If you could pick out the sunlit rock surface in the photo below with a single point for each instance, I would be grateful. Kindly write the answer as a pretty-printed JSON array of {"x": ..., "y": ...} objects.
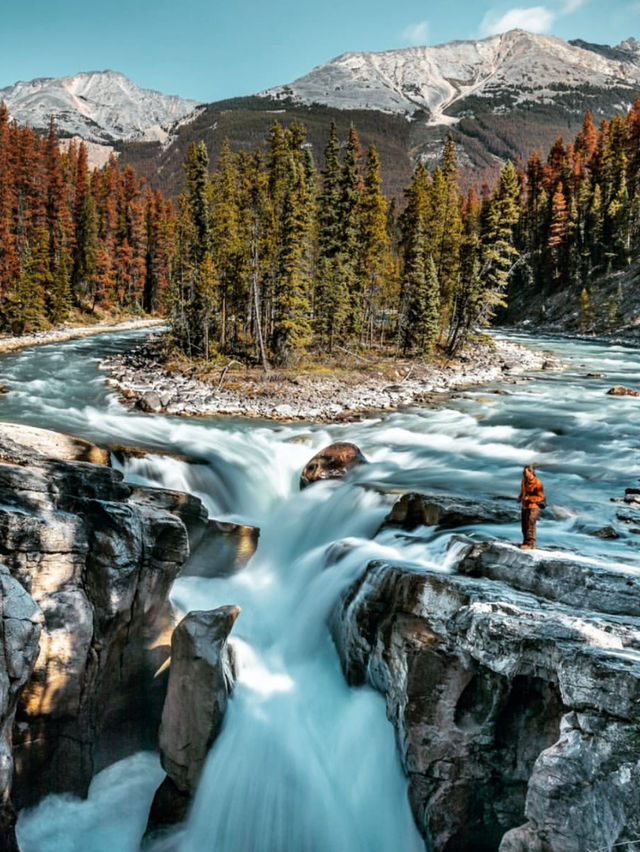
[
  {"x": 200, "y": 679},
  {"x": 98, "y": 557},
  {"x": 514, "y": 686},
  {"x": 332, "y": 462}
]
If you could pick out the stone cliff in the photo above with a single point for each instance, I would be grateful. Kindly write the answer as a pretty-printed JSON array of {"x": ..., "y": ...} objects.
[
  {"x": 513, "y": 682},
  {"x": 89, "y": 564}
]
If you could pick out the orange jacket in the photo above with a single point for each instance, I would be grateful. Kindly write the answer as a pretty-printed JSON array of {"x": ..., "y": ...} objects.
[{"x": 531, "y": 492}]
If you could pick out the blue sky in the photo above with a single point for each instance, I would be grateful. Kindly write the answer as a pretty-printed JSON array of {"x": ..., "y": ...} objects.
[{"x": 208, "y": 50}]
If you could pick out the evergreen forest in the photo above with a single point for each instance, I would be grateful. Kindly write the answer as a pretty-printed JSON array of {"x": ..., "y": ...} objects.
[{"x": 271, "y": 257}]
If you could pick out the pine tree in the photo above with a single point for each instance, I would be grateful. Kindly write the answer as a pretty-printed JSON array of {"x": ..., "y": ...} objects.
[
  {"x": 85, "y": 230},
  {"x": 586, "y": 312},
  {"x": 9, "y": 256},
  {"x": 468, "y": 300},
  {"x": 413, "y": 287},
  {"x": 225, "y": 231},
  {"x": 186, "y": 264},
  {"x": 25, "y": 305},
  {"x": 349, "y": 225},
  {"x": 199, "y": 195},
  {"x": 446, "y": 228},
  {"x": 292, "y": 308},
  {"x": 497, "y": 246},
  {"x": 159, "y": 229},
  {"x": 374, "y": 259},
  {"x": 60, "y": 229},
  {"x": 330, "y": 296},
  {"x": 256, "y": 214},
  {"x": 204, "y": 307},
  {"x": 587, "y": 139},
  {"x": 558, "y": 230}
]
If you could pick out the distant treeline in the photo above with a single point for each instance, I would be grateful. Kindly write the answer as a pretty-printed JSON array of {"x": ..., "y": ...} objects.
[
  {"x": 269, "y": 256},
  {"x": 71, "y": 238}
]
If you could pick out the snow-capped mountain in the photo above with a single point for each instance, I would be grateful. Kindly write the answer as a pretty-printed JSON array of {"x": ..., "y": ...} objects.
[
  {"x": 511, "y": 69},
  {"x": 99, "y": 106}
]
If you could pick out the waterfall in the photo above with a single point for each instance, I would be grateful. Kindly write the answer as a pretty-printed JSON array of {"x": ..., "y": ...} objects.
[{"x": 305, "y": 762}]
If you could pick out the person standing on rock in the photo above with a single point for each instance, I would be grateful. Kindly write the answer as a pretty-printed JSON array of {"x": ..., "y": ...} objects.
[{"x": 531, "y": 497}]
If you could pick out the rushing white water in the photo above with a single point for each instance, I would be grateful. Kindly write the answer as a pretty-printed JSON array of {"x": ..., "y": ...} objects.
[{"x": 305, "y": 762}]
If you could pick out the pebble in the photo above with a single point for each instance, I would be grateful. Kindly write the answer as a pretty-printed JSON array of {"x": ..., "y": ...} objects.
[{"x": 326, "y": 398}]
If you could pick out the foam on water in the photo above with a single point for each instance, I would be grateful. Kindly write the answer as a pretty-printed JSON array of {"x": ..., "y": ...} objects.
[{"x": 111, "y": 819}]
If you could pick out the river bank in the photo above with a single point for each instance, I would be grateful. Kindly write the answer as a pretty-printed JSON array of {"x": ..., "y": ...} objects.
[
  {"x": 342, "y": 392},
  {"x": 68, "y": 332}
]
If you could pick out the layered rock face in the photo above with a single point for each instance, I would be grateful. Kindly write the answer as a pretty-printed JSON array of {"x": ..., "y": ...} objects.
[
  {"x": 20, "y": 626},
  {"x": 200, "y": 680},
  {"x": 514, "y": 686},
  {"x": 98, "y": 557}
]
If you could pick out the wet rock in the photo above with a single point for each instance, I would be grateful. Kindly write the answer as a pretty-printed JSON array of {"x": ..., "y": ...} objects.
[
  {"x": 607, "y": 532},
  {"x": 413, "y": 510},
  {"x": 184, "y": 506},
  {"x": 514, "y": 687},
  {"x": 594, "y": 376},
  {"x": 150, "y": 402},
  {"x": 583, "y": 790},
  {"x": 3, "y": 388},
  {"x": 223, "y": 549},
  {"x": 333, "y": 462},
  {"x": 98, "y": 557},
  {"x": 621, "y": 390},
  {"x": 556, "y": 576},
  {"x": 200, "y": 680},
  {"x": 54, "y": 445},
  {"x": 20, "y": 627}
]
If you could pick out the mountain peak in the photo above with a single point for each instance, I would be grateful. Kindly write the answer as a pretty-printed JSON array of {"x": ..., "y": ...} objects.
[
  {"x": 100, "y": 106},
  {"x": 435, "y": 80}
]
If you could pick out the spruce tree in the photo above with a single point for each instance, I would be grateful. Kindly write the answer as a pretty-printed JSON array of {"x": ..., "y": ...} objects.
[
  {"x": 374, "y": 250},
  {"x": 497, "y": 249},
  {"x": 349, "y": 224},
  {"x": 413, "y": 285},
  {"x": 446, "y": 228},
  {"x": 225, "y": 233},
  {"x": 330, "y": 296},
  {"x": 292, "y": 308}
]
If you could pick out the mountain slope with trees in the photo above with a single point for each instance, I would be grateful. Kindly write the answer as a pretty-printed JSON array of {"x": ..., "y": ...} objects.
[
  {"x": 499, "y": 97},
  {"x": 578, "y": 237}
]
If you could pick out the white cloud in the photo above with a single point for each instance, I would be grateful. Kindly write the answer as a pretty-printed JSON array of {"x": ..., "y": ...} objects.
[
  {"x": 416, "y": 33},
  {"x": 570, "y": 6},
  {"x": 535, "y": 19}
]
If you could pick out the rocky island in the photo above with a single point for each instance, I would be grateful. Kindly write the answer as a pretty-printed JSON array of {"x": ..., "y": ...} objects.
[{"x": 357, "y": 387}]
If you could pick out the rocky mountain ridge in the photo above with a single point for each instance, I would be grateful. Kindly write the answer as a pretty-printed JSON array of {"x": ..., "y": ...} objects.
[
  {"x": 99, "y": 106},
  {"x": 502, "y": 97},
  {"x": 516, "y": 66}
]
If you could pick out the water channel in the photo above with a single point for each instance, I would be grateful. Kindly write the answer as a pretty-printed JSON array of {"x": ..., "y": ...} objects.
[{"x": 305, "y": 763}]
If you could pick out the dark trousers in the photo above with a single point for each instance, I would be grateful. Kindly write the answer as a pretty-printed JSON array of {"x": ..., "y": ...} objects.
[{"x": 529, "y": 518}]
